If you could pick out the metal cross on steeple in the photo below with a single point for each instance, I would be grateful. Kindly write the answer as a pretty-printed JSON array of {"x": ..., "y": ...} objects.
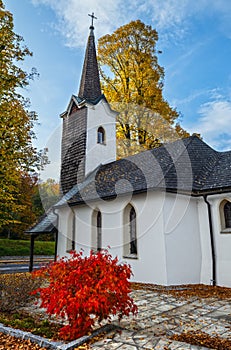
[{"x": 92, "y": 19}]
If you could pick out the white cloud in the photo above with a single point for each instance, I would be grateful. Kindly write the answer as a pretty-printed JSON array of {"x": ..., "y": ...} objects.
[
  {"x": 188, "y": 99},
  {"x": 214, "y": 123},
  {"x": 171, "y": 18},
  {"x": 73, "y": 21}
]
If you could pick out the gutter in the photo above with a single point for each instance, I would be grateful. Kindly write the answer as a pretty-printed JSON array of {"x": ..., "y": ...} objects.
[
  {"x": 214, "y": 272},
  {"x": 191, "y": 193}
]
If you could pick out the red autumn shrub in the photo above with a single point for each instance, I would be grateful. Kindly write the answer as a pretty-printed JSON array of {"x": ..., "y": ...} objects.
[{"x": 85, "y": 290}]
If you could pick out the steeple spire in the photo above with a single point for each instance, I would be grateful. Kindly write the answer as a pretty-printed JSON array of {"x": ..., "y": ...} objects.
[{"x": 90, "y": 83}]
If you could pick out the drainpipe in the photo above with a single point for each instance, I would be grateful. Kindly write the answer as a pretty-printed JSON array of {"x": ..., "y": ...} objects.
[
  {"x": 56, "y": 233},
  {"x": 73, "y": 231},
  {"x": 214, "y": 280}
]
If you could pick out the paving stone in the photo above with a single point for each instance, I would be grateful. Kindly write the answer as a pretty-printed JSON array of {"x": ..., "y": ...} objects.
[
  {"x": 165, "y": 307},
  {"x": 160, "y": 316},
  {"x": 226, "y": 335},
  {"x": 128, "y": 347},
  {"x": 141, "y": 302},
  {"x": 162, "y": 344},
  {"x": 214, "y": 329},
  {"x": 200, "y": 311},
  {"x": 181, "y": 310},
  {"x": 110, "y": 346},
  {"x": 225, "y": 309}
]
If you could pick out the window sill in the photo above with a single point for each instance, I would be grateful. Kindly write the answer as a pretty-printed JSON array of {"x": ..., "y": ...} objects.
[
  {"x": 130, "y": 256},
  {"x": 101, "y": 143},
  {"x": 226, "y": 230}
]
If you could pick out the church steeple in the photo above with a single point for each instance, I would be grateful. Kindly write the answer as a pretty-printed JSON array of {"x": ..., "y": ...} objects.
[
  {"x": 89, "y": 134},
  {"x": 90, "y": 89}
]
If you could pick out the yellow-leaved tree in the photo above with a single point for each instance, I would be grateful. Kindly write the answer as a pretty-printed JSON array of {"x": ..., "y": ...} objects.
[
  {"x": 18, "y": 157},
  {"x": 132, "y": 81}
]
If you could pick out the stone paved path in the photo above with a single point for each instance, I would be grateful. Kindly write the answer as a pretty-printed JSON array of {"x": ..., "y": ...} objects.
[{"x": 160, "y": 316}]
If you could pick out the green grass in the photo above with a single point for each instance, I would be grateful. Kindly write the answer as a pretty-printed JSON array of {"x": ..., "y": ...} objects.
[
  {"x": 28, "y": 323},
  {"x": 10, "y": 247}
]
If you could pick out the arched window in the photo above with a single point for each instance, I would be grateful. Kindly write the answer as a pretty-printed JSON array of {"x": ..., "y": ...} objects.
[
  {"x": 227, "y": 214},
  {"x": 70, "y": 238},
  {"x": 130, "y": 232},
  {"x": 96, "y": 230},
  {"x": 101, "y": 135},
  {"x": 99, "y": 231},
  {"x": 132, "y": 228}
]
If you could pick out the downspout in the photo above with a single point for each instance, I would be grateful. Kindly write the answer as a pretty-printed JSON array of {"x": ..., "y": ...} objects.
[
  {"x": 56, "y": 233},
  {"x": 214, "y": 272},
  {"x": 73, "y": 231}
]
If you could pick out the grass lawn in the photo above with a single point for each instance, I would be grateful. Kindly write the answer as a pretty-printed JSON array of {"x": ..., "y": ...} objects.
[{"x": 10, "y": 247}]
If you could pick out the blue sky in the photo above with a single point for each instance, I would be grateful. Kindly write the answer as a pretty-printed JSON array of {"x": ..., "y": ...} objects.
[{"x": 194, "y": 37}]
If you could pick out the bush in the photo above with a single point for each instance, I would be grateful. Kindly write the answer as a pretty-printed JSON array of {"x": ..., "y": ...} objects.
[
  {"x": 85, "y": 290},
  {"x": 15, "y": 290}
]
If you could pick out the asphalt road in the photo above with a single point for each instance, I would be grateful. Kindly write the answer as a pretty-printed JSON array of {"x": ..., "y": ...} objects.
[{"x": 16, "y": 266}]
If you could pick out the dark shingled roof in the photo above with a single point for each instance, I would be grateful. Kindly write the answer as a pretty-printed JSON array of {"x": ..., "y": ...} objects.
[
  {"x": 90, "y": 89},
  {"x": 188, "y": 166},
  {"x": 47, "y": 224}
]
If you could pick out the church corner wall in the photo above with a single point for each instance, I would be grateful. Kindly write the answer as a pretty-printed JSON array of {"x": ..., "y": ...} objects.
[
  {"x": 182, "y": 240},
  {"x": 206, "y": 263},
  {"x": 222, "y": 241}
]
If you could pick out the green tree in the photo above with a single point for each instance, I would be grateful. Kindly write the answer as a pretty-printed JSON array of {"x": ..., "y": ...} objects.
[
  {"x": 46, "y": 194},
  {"x": 18, "y": 157},
  {"x": 133, "y": 83},
  {"x": 25, "y": 215}
]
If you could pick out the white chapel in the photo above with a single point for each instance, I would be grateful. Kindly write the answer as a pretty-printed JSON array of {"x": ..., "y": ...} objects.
[{"x": 165, "y": 211}]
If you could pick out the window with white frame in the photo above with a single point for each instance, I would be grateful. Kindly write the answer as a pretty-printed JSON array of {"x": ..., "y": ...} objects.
[
  {"x": 225, "y": 216},
  {"x": 101, "y": 135},
  {"x": 70, "y": 240},
  {"x": 130, "y": 232},
  {"x": 96, "y": 230}
]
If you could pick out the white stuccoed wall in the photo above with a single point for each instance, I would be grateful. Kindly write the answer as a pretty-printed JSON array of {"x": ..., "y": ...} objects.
[
  {"x": 222, "y": 242},
  {"x": 173, "y": 237},
  {"x": 206, "y": 261},
  {"x": 96, "y": 154},
  {"x": 182, "y": 240}
]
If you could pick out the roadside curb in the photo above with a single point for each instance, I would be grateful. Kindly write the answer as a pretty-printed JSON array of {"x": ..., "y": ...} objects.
[{"x": 53, "y": 345}]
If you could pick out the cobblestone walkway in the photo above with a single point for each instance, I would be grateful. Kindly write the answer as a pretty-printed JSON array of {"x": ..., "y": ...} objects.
[{"x": 161, "y": 316}]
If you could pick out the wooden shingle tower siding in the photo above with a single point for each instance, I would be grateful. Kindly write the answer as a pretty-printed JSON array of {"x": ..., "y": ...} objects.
[
  {"x": 73, "y": 156},
  {"x": 73, "y": 149}
]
